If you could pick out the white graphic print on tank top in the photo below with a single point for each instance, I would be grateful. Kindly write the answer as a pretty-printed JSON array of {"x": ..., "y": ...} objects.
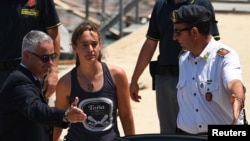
[{"x": 99, "y": 113}]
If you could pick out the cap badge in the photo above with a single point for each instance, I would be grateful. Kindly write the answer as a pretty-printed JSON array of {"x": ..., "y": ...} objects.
[{"x": 174, "y": 17}]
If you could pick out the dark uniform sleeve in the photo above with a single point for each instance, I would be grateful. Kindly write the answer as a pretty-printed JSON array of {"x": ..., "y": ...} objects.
[
  {"x": 50, "y": 16},
  {"x": 152, "y": 32}
]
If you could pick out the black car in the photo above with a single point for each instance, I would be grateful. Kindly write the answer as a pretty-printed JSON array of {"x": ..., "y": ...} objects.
[{"x": 161, "y": 137}]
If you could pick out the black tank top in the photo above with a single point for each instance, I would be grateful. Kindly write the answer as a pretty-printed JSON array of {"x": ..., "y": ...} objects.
[{"x": 100, "y": 107}]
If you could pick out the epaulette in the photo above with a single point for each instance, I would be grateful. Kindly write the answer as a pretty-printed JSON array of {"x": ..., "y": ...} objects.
[
  {"x": 182, "y": 52},
  {"x": 222, "y": 52}
]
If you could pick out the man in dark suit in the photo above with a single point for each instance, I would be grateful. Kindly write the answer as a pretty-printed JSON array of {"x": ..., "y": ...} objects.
[{"x": 24, "y": 112}]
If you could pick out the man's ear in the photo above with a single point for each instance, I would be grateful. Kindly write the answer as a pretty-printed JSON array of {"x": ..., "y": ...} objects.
[
  {"x": 194, "y": 32},
  {"x": 244, "y": 89},
  {"x": 25, "y": 54}
]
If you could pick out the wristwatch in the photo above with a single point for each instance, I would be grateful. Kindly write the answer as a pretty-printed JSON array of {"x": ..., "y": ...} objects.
[
  {"x": 65, "y": 117},
  {"x": 241, "y": 102}
]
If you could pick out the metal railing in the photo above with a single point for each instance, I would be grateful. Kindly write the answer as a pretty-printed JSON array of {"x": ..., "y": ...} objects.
[{"x": 107, "y": 24}]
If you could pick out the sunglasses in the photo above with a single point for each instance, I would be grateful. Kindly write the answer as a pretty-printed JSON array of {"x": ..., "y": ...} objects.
[
  {"x": 178, "y": 31},
  {"x": 45, "y": 58}
]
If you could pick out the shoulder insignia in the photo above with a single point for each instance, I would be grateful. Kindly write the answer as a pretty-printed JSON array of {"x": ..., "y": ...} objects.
[
  {"x": 206, "y": 55},
  {"x": 222, "y": 52},
  {"x": 181, "y": 52}
]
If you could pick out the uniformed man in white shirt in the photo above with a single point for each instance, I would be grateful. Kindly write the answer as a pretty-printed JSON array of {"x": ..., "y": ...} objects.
[{"x": 210, "y": 86}]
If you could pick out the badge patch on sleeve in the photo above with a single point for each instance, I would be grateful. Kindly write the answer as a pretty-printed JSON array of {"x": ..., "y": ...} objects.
[{"x": 222, "y": 52}]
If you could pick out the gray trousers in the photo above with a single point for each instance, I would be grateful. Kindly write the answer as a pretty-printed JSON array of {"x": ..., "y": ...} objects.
[{"x": 166, "y": 102}]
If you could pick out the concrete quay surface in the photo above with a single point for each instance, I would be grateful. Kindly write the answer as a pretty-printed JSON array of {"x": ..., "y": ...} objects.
[
  {"x": 234, "y": 31},
  {"x": 237, "y": 7}
]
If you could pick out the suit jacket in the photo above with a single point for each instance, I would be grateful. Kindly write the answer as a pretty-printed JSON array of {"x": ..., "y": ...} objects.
[{"x": 24, "y": 112}]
